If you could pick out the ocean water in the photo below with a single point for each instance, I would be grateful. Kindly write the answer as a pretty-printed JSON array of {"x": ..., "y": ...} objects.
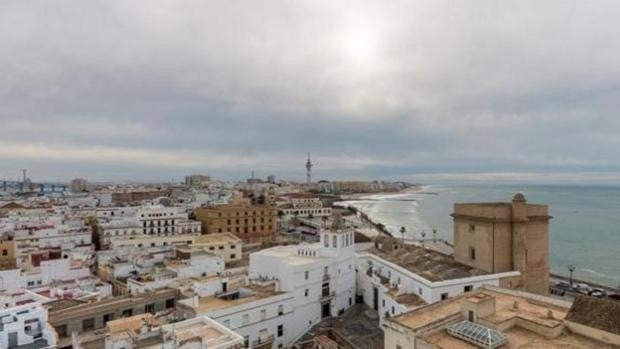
[{"x": 584, "y": 231}]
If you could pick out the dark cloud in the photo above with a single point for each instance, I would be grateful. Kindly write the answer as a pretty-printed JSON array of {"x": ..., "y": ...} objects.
[{"x": 425, "y": 89}]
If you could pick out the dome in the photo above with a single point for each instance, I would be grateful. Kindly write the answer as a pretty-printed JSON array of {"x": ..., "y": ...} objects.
[{"x": 519, "y": 197}]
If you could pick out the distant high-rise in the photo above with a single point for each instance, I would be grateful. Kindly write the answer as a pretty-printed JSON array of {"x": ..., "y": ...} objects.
[
  {"x": 78, "y": 185},
  {"x": 197, "y": 180},
  {"x": 308, "y": 170}
]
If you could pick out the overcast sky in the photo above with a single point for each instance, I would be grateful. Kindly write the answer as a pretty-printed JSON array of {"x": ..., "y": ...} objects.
[{"x": 419, "y": 90}]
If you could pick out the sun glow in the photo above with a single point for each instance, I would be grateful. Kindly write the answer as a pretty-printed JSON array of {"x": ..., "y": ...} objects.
[{"x": 359, "y": 44}]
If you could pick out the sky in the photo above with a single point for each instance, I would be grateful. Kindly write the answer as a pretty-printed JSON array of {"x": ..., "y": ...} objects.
[{"x": 425, "y": 91}]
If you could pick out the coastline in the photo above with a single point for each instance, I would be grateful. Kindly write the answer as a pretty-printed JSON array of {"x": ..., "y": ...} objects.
[{"x": 414, "y": 189}]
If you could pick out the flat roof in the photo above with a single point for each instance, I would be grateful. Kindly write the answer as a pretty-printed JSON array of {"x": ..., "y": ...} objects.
[
  {"x": 517, "y": 337},
  {"x": 216, "y": 303},
  {"x": 530, "y": 309},
  {"x": 217, "y": 237},
  {"x": 289, "y": 254}
]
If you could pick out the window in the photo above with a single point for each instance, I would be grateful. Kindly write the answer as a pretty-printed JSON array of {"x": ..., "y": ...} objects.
[
  {"x": 334, "y": 241},
  {"x": 472, "y": 253},
  {"x": 5, "y": 252},
  {"x": 149, "y": 308},
  {"x": 444, "y": 296},
  {"x": 383, "y": 303},
  {"x": 468, "y": 288},
  {"x": 392, "y": 310},
  {"x": 108, "y": 317},
  {"x": 127, "y": 312},
  {"x": 306, "y": 292},
  {"x": 245, "y": 319},
  {"x": 227, "y": 323},
  {"x": 263, "y": 314},
  {"x": 420, "y": 290},
  {"x": 307, "y": 275},
  {"x": 280, "y": 309},
  {"x": 280, "y": 330},
  {"x": 398, "y": 347},
  {"x": 246, "y": 341},
  {"x": 61, "y": 330},
  {"x": 232, "y": 256},
  {"x": 472, "y": 227},
  {"x": 169, "y": 303},
  {"x": 88, "y": 324}
]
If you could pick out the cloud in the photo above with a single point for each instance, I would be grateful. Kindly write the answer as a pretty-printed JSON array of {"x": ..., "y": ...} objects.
[{"x": 372, "y": 89}]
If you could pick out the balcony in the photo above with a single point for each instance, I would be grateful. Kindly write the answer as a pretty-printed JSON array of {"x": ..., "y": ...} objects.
[
  {"x": 327, "y": 295},
  {"x": 263, "y": 341}
]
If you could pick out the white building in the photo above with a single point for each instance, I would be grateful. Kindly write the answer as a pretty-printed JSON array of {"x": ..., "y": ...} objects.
[
  {"x": 398, "y": 278},
  {"x": 303, "y": 205},
  {"x": 320, "y": 276},
  {"x": 289, "y": 290},
  {"x": 258, "y": 311},
  {"x": 148, "y": 220},
  {"x": 25, "y": 325},
  {"x": 50, "y": 271},
  {"x": 197, "y": 333}
]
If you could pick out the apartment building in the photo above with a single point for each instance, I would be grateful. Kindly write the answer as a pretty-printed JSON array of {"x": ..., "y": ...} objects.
[
  {"x": 26, "y": 326},
  {"x": 319, "y": 276},
  {"x": 226, "y": 245},
  {"x": 257, "y": 311},
  {"x": 79, "y": 185},
  {"x": 303, "y": 205},
  {"x": 148, "y": 220},
  {"x": 141, "y": 240},
  {"x": 248, "y": 222},
  {"x": 137, "y": 196},
  {"x": 48, "y": 272},
  {"x": 147, "y": 330},
  {"x": 69, "y": 316}
]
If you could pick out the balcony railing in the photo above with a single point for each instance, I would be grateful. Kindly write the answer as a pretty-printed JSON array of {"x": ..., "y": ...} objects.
[
  {"x": 326, "y": 294},
  {"x": 263, "y": 340}
]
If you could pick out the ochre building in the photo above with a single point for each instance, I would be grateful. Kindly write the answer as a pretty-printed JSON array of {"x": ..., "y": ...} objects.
[
  {"x": 500, "y": 237},
  {"x": 248, "y": 222}
]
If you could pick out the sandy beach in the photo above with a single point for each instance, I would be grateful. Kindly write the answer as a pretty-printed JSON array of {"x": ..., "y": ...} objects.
[{"x": 357, "y": 196}]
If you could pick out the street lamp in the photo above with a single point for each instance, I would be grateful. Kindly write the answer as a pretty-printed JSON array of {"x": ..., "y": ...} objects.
[{"x": 571, "y": 269}]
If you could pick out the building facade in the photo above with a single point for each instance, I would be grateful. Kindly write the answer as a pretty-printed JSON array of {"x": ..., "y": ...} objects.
[
  {"x": 500, "y": 237},
  {"x": 248, "y": 222}
]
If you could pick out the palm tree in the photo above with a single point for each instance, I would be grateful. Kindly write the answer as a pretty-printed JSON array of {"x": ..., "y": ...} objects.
[
  {"x": 423, "y": 236},
  {"x": 434, "y": 235},
  {"x": 402, "y": 233}
]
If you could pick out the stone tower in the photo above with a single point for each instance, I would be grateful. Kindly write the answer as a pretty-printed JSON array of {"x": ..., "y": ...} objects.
[{"x": 505, "y": 236}]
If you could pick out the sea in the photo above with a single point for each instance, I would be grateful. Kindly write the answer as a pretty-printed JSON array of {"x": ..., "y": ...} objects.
[{"x": 584, "y": 231}]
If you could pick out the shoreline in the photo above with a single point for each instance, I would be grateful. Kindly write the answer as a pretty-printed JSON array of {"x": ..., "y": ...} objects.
[
  {"x": 555, "y": 271},
  {"x": 414, "y": 189}
]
